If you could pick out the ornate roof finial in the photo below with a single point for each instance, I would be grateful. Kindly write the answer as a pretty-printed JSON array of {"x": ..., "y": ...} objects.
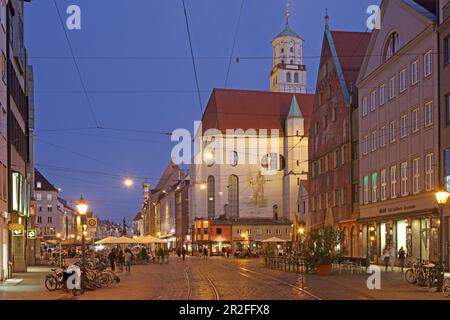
[
  {"x": 287, "y": 13},
  {"x": 327, "y": 19}
]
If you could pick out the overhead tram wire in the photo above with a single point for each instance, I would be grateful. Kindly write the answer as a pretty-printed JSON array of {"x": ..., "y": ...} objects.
[
  {"x": 91, "y": 108},
  {"x": 192, "y": 56},
  {"x": 234, "y": 42}
]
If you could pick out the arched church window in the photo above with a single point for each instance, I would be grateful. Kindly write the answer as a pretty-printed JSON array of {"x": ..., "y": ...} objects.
[
  {"x": 282, "y": 50},
  {"x": 288, "y": 77},
  {"x": 392, "y": 45},
  {"x": 275, "y": 212},
  {"x": 292, "y": 49},
  {"x": 211, "y": 197},
  {"x": 296, "y": 77},
  {"x": 233, "y": 196}
]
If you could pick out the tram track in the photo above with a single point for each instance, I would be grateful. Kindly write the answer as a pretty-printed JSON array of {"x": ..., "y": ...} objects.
[{"x": 189, "y": 280}]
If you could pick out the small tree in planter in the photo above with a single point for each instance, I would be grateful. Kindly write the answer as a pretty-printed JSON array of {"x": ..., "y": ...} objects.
[{"x": 320, "y": 248}]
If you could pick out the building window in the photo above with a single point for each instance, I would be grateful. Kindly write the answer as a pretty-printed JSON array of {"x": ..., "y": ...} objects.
[
  {"x": 275, "y": 212},
  {"x": 428, "y": 114},
  {"x": 288, "y": 77},
  {"x": 365, "y": 145},
  {"x": 333, "y": 114},
  {"x": 403, "y": 121},
  {"x": 382, "y": 94},
  {"x": 392, "y": 126},
  {"x": 404, "y": 178},
  {"x": 392, "y": 88},
  {"x": 364, "y": 107},
  {"x": 49, "y": 208},
  {"x": 394, "y": 182},
  {"x": 402, "y": 79},
  {"x": 373, "y": 100},
  {"x": 39, "y": 219},
  {"x": 233, "y": 195},
  {"x": 49, "y": 219},
  {"x": 392, "y": 45},
  {"x": 415, "y": 72},
  {"x": 49, "y": 197},
  {"x": 38, "y": 197},
  {"x": 374, "y": 141},
  {"x": 416, "y": 175},
  {"x": 211, "y": 197},
  {"x": 366, "y": 189},
  {"x": 383, "y": 136},
  {"x": 296, "y": 78},
  {"x": 374, "y": 187},
  {"x": 429, "y": 172},
  {"x": 38, "y": 185},
  {"x": 415, "y": 120},
  {"x": 383, "y": 185},
  {"x": 428, "y": 63}
]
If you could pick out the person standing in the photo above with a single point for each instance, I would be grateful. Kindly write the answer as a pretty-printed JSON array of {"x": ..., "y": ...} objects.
[
  {"x": 127, "y": 258},
  {"x": 392, "y": 256},
  {"x": 120, "y": 261},
  {"x": 402, "y": 257},
  {"x": 179, "y": 253},
  {"x": 112, "y": 259},
  {"x": 205, "y": 253},
  {"x": 183, "y": 253},
  {"x": 386, "y": 257}
]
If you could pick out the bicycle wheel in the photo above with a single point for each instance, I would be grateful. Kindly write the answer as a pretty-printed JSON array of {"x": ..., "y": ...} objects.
[
  {"x": 446, "y": 288},
  {"x": 410, "y": 277},
  {"x": 51, "y": 283}
]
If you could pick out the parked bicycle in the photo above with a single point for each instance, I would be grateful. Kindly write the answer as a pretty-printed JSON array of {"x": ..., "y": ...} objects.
[{"x": 56, "y": 280}]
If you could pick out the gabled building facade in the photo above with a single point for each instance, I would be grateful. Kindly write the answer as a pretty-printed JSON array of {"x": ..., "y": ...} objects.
[{"x": 333, "y": 182}]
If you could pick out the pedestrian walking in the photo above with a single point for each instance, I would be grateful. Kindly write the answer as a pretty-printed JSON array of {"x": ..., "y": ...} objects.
[
  {"x": 402, "y": 257},
  {"x": 183, "y": 253},
  {"x": 205, "y": 253},
  {"x": 179, "y": 253},
  {"x": 112, "y": 259},
  {"x": 392, "y": 256},
  {"x": 386, "y": 257},
  {"x": 127, "y": 257}
]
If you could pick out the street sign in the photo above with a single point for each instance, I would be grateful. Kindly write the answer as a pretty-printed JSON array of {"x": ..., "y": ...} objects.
[
  {"x": 15, "y": 226},
  {"x": 18, "y": 233},
  {"x": 92, "y": 223},
  {"x": 31, "y": 234}
]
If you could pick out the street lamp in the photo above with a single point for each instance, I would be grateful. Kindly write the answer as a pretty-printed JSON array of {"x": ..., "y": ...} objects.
[
  {"x": 128, "y": 182},
  {"x": 82, "y": 208},
  {"x": 441, "y": 198}
]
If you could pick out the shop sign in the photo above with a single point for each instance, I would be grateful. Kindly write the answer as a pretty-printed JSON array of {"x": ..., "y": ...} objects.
[
  {"x": 397, "y": 209},
  {"x": 15, "y": 226},
  {"x": 31, "y": 234},
  {"x": 18, "y": 233}
]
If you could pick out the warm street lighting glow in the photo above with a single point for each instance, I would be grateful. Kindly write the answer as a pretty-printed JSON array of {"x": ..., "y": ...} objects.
[
  {"x": 203, "y": 186},
  {"x": 72, "y": 236},
  {"x": 442, "y": 197},
  {"x": 85, "y": 233},
  {"x": 159, "y": 234},
  {"x": 82, "y": 206},
  {"x": 301, "y": 231},
  {"x": 58, "y": 235},
  {"x": 188, "y": 237},
  {"x": 128, "y": 182}
]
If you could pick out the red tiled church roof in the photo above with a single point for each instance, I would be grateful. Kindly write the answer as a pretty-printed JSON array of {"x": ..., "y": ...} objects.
[{"x": 245, "y": 109}]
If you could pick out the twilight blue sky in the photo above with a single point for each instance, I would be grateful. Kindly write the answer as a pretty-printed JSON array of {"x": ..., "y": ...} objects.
[{"x": 115, "y": 37}]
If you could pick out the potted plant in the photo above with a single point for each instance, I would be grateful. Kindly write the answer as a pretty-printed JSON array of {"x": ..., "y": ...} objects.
[{"x": 321, "y": 249}]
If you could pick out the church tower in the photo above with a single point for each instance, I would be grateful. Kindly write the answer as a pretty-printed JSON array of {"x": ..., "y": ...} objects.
[{"x": 288, "y": 73}]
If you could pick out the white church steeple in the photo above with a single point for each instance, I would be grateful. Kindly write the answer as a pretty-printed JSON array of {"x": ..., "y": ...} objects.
[{"x": 288, "y": 72}]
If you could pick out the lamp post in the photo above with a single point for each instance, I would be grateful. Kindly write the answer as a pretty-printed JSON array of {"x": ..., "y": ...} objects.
[
  {"x": 441, "y": 198},
  {"x": 82, "y": 209},
  {"x": 58, "y": 235}
]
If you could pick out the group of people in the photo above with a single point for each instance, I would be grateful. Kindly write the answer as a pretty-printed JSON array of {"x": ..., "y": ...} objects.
[
  {"x": 390, "y": 255},
  {"x": 118, "y": 258}
]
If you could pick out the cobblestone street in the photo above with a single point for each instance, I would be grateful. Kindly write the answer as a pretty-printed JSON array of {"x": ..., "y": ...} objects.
[{"x": 225, "y": 279}]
